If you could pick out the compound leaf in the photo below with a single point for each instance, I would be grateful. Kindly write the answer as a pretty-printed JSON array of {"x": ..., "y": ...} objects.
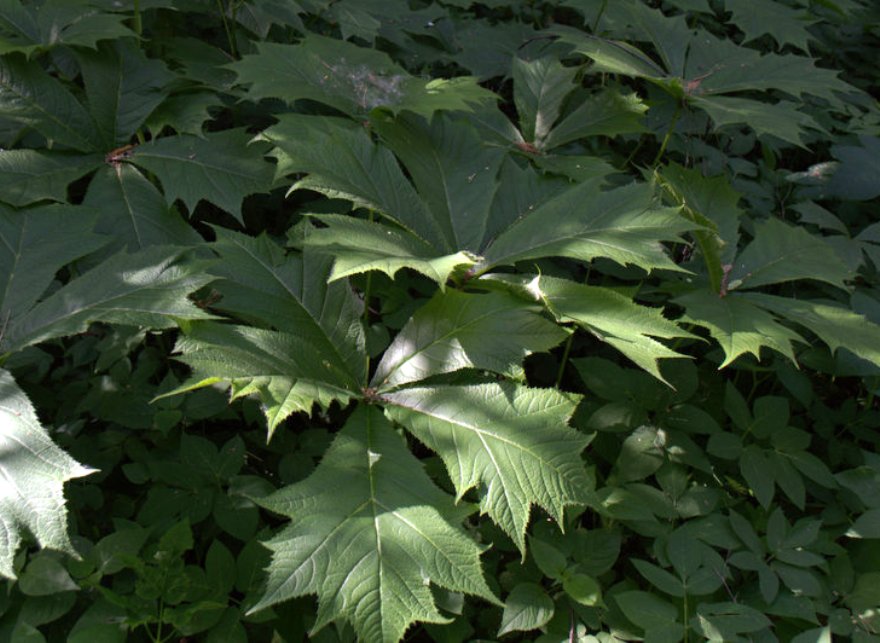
[
  {"x": 370, "y": 534},
  {"x": 511, "y": 442},
  {"x": 32, "y": 475}
]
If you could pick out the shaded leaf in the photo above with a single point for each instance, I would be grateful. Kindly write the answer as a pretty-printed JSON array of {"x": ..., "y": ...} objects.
[
  {"x": 539, "y": 89},
  {"x": 737, "y": 324},
  {"x": 133, "y": 211},
  {"x": 146, "y": 288},
  {"x": 30, "y": 96},
  {"x": 221, "y": 168},
  {"x": 28, "y": 176}
]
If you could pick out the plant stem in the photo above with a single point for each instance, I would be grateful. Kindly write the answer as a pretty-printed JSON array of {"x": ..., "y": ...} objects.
[
  {"x": 668, "y": 136},
  {"x": 229, "y": 37},
  {"x": 564, "y": 361},
  {"x": 138, "y": 22}
]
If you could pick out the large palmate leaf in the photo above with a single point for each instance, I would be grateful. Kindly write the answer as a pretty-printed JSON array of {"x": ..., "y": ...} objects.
[
  {"x": 28, "y": 176},
  {"x": 605, "y": 113},
  {"x": 287, "y": 374},
  {"x": 352, "y": 79},
  {"x": 32, "y": 475},
  {"x": 133, "y": 211},
  {"x": 28, "y": 27},
  {"x": 30, "y": 96},
  {"x": 455, "y": 330},
  {"x": 584, "y": 223},
  {"x": 370, "y": 534},
  {"x": 611, "y": 316},
  {"x": 510, "y": 442},
  {"x": 220, "y": 167},
  {"x": 34, "y": 245},
  {"x": 146, "y": 288}
]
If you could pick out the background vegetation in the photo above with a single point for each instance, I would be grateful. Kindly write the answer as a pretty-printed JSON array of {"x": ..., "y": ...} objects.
[{"x": 445, "y": 321}]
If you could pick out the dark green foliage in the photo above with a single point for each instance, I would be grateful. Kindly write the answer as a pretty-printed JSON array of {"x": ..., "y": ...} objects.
[{"x": 439, "y": 320}]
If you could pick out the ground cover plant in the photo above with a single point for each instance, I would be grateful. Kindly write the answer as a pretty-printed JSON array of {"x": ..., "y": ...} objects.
[{"x": 439, "y": 320}]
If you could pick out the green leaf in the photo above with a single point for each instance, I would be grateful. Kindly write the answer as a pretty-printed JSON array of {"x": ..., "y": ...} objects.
[
  {"x": 454, "y": 170},
  {"x": 785, "y": 25},
  {"x": 184, "y": 113},
  {"x": 133, "y": 211},
  {"x": 527, "y": 608},
  {"x": 123, "y": 87},
  {"x": 657, "y": 617},
  {"x": 606, "y": 113},
  {"x": 28, "y": 176},
  {"x": 539, "y": 89},
  {"x": 371, "y": 532},
  {"x": 612, "y": 317},
  {"x": 782, "y": 252},
  {"x": 30, "y": 96},
  {"x": 836, "y": 326},
  {"x": 782, "y": 120},
  {"x": 758, "y": 473},
  {"x": 855, "y": 178},
  {"x": 343, "y": 162},
  {"x": 360, "y": 246},
  {"x": 585, "y": 223},
  {"x": 261, "y": 284},
  {"x": 725, "y": 621},
  {"x": 583, "y": 589},
  {"x": 28, "y": 27},
  {"x": 737, "y": 324},
  {"x": 866, "y": 525},
  {"x": 352, "y": 79},
  {"x": 220, "y": 167},
  {"x": 33, "y": 471},
  {"x": 44, "y": 576},
  {"x": 455, "y": 330},
  {"x": 34, "y": 245},
  {"x": 147, "y": 288},
  {"x": 511, "y": 442},
  {"x": 287, "y": 374}
]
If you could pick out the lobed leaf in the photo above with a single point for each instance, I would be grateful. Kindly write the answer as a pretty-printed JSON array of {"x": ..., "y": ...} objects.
[
  {"x": 371, "y": 533},
  {"x": 456, "y": 330},
  {"x": 510, "y": 442},
  {"x": 33, "y": 471}
]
